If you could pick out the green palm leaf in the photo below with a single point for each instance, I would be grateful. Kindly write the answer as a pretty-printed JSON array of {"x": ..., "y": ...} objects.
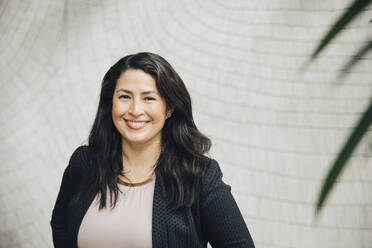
[
  {"x": 359, "y": 55},
  {"x": 354, "y": 9},
  {"x": 348, "y": 148}
]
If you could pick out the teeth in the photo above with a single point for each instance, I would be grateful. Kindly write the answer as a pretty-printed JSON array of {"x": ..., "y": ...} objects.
[{"x": 137, "y": 124}]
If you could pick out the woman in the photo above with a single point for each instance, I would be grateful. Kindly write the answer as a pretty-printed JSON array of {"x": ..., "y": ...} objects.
[{"x": 143, "y": 180}]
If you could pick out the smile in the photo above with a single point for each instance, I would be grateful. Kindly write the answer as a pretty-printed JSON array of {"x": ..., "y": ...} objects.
[{"x": 136, "y": 124}]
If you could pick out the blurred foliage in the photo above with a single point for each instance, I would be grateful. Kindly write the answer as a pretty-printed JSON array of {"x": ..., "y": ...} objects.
[{"x": 355, "y": 9}]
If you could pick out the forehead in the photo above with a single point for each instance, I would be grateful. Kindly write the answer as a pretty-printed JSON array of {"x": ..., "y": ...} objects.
[{"x": 136, "y": 80}]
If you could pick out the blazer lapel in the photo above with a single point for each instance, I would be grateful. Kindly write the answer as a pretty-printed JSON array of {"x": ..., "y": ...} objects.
[
  {"x": 159, "y": 218},
  {"x": 78, "y": 214}
]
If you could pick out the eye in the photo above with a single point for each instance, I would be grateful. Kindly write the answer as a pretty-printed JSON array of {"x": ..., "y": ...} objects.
[
  {"x": 149, "y": 99},
  {"x": 124, "y": 96}
]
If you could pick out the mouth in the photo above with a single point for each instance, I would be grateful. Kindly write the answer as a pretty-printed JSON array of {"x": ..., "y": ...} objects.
[{"x": 136, "y": 125}]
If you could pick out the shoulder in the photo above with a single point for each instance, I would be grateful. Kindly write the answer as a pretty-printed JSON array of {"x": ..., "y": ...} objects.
[
  {"x": 212, "y": 175},
  {"x": 80, "y": 153},
  {"x": 79, "y": 160},
  {"x": 212, "y": 167},
  {"x": 214, "y": 190}
]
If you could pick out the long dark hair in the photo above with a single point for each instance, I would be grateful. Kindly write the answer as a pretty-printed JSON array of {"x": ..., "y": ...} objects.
[{"x": 179, "y": 166}]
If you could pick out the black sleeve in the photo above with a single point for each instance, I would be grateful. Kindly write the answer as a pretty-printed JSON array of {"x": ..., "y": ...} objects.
[
  {"x": 68, "y": 186},
  {"x": 222, "y": 222}
]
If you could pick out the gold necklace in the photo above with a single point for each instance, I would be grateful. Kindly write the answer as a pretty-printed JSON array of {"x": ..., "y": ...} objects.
[{"x": 134, "y": 184}]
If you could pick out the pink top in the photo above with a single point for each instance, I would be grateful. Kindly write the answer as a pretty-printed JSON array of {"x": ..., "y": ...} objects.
[{"x": 129, "y": 224}]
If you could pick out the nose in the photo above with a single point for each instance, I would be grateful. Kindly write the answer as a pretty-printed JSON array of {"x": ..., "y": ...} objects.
[{"x": 135, "y": 108}]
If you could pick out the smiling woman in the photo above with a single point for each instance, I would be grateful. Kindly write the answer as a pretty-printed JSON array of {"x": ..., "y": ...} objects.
[{"x": 146, "y": 159}]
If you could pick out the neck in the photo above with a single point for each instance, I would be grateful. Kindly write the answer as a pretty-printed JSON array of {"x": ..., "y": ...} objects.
[{"x": 140, "y": 158}]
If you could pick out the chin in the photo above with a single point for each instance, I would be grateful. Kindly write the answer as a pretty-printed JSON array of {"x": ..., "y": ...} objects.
[{"x": 138, "y": 140}]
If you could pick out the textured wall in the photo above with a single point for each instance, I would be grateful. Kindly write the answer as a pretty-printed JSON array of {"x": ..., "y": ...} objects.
[{"x": 275, "y": 130}]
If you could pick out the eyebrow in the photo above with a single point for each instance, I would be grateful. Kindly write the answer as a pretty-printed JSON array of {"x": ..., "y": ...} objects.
[{"x": 143, "y": 92}]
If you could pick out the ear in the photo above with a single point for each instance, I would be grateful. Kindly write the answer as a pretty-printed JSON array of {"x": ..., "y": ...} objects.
[{"x": 169, "y": 113}]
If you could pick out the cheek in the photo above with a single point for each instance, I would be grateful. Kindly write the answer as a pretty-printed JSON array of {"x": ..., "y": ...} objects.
[
  {"x": 159, "y": 112},
  {"x": 118, "y": 109},
  {"x": 114, "y": 109}
]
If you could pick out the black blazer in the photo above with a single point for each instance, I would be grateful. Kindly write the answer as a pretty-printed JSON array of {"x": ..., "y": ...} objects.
[{"x": 214, "y": 218}]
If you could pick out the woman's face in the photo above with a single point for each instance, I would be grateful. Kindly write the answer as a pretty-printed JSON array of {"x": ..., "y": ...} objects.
[{"x": 138, "y": 110}]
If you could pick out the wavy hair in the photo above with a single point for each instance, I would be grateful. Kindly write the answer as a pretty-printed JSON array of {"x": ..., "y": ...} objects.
[{"x": 179, "y": 166}]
